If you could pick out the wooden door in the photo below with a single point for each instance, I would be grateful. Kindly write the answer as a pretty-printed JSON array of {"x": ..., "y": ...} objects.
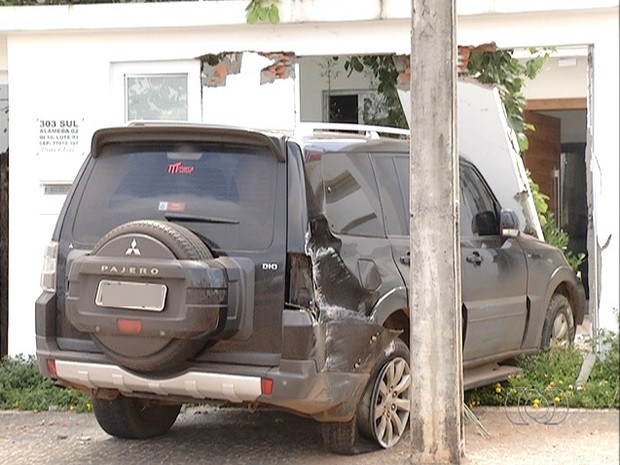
[{"x": 542, "y": 158}]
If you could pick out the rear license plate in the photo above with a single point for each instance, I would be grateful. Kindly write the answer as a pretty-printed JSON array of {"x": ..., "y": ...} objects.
[{"x": 131, "y": 296}]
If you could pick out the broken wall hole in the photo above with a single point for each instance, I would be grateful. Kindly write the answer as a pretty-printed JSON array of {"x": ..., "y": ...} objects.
[{"x": 215, "y": 68}]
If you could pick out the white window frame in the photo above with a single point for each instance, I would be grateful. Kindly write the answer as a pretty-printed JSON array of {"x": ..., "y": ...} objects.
[{"x": 119, "y": 71}]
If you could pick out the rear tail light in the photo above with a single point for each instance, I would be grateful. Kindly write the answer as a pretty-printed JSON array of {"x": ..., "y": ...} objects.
[
  {"x": 266, "y": 386},
  {"x": 51, "y": 366},
  {"x": 300, "y": 291},
  {"x": 129, "y": 326},
  {"x": 48, "y": 275}
]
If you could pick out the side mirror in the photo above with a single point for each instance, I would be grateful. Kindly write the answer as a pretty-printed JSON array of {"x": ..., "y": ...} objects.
[{"x": 509, "y": 223}]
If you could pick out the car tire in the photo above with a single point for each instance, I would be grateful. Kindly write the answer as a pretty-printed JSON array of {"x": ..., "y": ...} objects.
[
  {"x": 184, "y": 245},
  {"x": 383, "y": 413},
  {"x": 133, "y": 418},
  {"x": 559, "y": 327}
]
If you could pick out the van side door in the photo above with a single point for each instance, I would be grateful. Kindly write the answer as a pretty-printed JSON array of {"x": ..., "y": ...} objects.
[{"x": 493, "y": 274}]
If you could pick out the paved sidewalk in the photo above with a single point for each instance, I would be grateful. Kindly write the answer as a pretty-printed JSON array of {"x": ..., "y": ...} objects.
[
  {"x": 237, "y": 437},
  {"x": 583, "y": 437}
]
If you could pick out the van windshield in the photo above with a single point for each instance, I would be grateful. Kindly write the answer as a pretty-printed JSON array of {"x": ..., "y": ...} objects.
[{"x": 225, "y": 194}]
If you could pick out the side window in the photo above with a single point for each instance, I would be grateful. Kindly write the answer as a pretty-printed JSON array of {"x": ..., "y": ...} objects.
[
  {"x": 394, "y": 198},
  {"x": 478, "y": 207},
  {"x": 402, "y": 175},
  {"x": 351, "y": 197}
]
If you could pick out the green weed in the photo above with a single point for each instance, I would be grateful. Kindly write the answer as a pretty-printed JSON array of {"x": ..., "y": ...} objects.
[
  {"x": 553, "y": 375},
  {"x": 22, "y": 387}
]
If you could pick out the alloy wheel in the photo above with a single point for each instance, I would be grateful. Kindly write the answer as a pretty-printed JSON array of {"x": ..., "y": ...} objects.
[
  {"x": 391, "y": 405},
  {"x": 560, "y": 332}
]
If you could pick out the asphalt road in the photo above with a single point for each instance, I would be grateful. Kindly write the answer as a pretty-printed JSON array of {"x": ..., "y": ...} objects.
[{"x": 207, "y": 435}]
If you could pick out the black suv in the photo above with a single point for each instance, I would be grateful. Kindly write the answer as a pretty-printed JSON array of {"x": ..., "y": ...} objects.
[{"x": 193, "y": 263}]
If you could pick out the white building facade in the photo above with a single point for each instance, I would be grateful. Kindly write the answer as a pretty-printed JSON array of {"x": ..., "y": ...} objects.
[{"x": 72, "y": 69}]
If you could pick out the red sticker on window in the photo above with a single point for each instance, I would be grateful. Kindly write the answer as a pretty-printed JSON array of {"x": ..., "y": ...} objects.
[
  {"x": 171, "y": 206},
  {"x": 180, "y": 168}
]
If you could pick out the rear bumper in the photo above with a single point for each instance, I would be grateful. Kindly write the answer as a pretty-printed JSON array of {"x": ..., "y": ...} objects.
[
  {"x": 321, "y": 372},
  {"x": 295, "y": 384},
  {"x": 192, "y": 384}
]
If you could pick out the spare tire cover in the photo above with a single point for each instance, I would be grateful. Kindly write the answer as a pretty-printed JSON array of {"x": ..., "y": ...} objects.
[{"x": 157, "y": 240}]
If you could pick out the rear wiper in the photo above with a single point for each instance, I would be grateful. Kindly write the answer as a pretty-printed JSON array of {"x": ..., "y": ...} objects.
[{"x": 198, "y": 219}]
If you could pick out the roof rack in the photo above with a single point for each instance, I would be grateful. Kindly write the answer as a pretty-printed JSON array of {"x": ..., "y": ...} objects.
[
  {"x": 303, "y": 129},
  {"x": 164, "y": 122},
  {"x": 371, "y": 132}
]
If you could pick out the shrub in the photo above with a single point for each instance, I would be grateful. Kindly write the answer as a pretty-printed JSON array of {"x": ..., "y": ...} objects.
[
  {"x": 553, "y": 375},
  {"x": 22, "y": 387}
]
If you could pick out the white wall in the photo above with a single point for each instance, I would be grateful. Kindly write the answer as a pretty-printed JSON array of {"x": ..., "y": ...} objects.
[
  {"x": 244, "y": 101},
  {"x": 560, "y": 77},
  {"x": 4, "y": 69},
  {"x": 70, "y": 94},
  {"x": 605, "y": 169},
  {"x": 67, "y": 72}
]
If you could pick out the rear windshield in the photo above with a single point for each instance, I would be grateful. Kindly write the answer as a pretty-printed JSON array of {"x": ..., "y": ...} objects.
[{"x": 225, "y": 194}]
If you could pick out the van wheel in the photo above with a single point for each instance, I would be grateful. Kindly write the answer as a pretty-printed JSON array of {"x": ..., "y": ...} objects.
[
  {"x": 559, "y": 327},
  {"x": 132, "y": 418},
  {"x": 383, "y": 413}
]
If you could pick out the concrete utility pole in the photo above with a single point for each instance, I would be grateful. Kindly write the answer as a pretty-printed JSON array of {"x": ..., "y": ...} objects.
[
  {"x": 4, "y": 251},
  {"x": 435, "y": 278}
]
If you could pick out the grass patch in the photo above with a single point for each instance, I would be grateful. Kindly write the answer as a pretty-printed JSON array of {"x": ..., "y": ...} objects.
[
  {"x": 553, "y": 374},
  {"x": 22, "y": 387}
]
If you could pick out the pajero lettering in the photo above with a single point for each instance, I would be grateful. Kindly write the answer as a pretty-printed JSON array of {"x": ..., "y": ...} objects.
[{"x": 129, "y": 270}]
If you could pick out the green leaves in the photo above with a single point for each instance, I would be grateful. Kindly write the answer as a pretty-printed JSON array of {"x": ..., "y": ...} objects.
[
  {"x": 353, "y": 64},
  {"x": 557, "y": 237},
  {"x": 252, "y": 16},
  {"x": 23, "y": 388},
  {"x": 262, "y": 10},
  {"x": 554, "y": 373},
  {"x": 274, "y": 14},
  {"x": 523, "y": 141},
  {"x": 540, "y": 199}
]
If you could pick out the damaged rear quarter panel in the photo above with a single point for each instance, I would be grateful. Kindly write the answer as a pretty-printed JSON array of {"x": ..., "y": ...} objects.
[{"x": 350, "y": 274}]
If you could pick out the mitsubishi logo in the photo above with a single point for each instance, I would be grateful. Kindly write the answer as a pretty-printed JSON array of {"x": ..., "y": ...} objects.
[{"x": 133, "y": 248}]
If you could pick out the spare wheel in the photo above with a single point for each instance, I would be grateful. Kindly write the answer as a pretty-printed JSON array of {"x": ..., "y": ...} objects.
[{"x": 127, "y": 271}]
